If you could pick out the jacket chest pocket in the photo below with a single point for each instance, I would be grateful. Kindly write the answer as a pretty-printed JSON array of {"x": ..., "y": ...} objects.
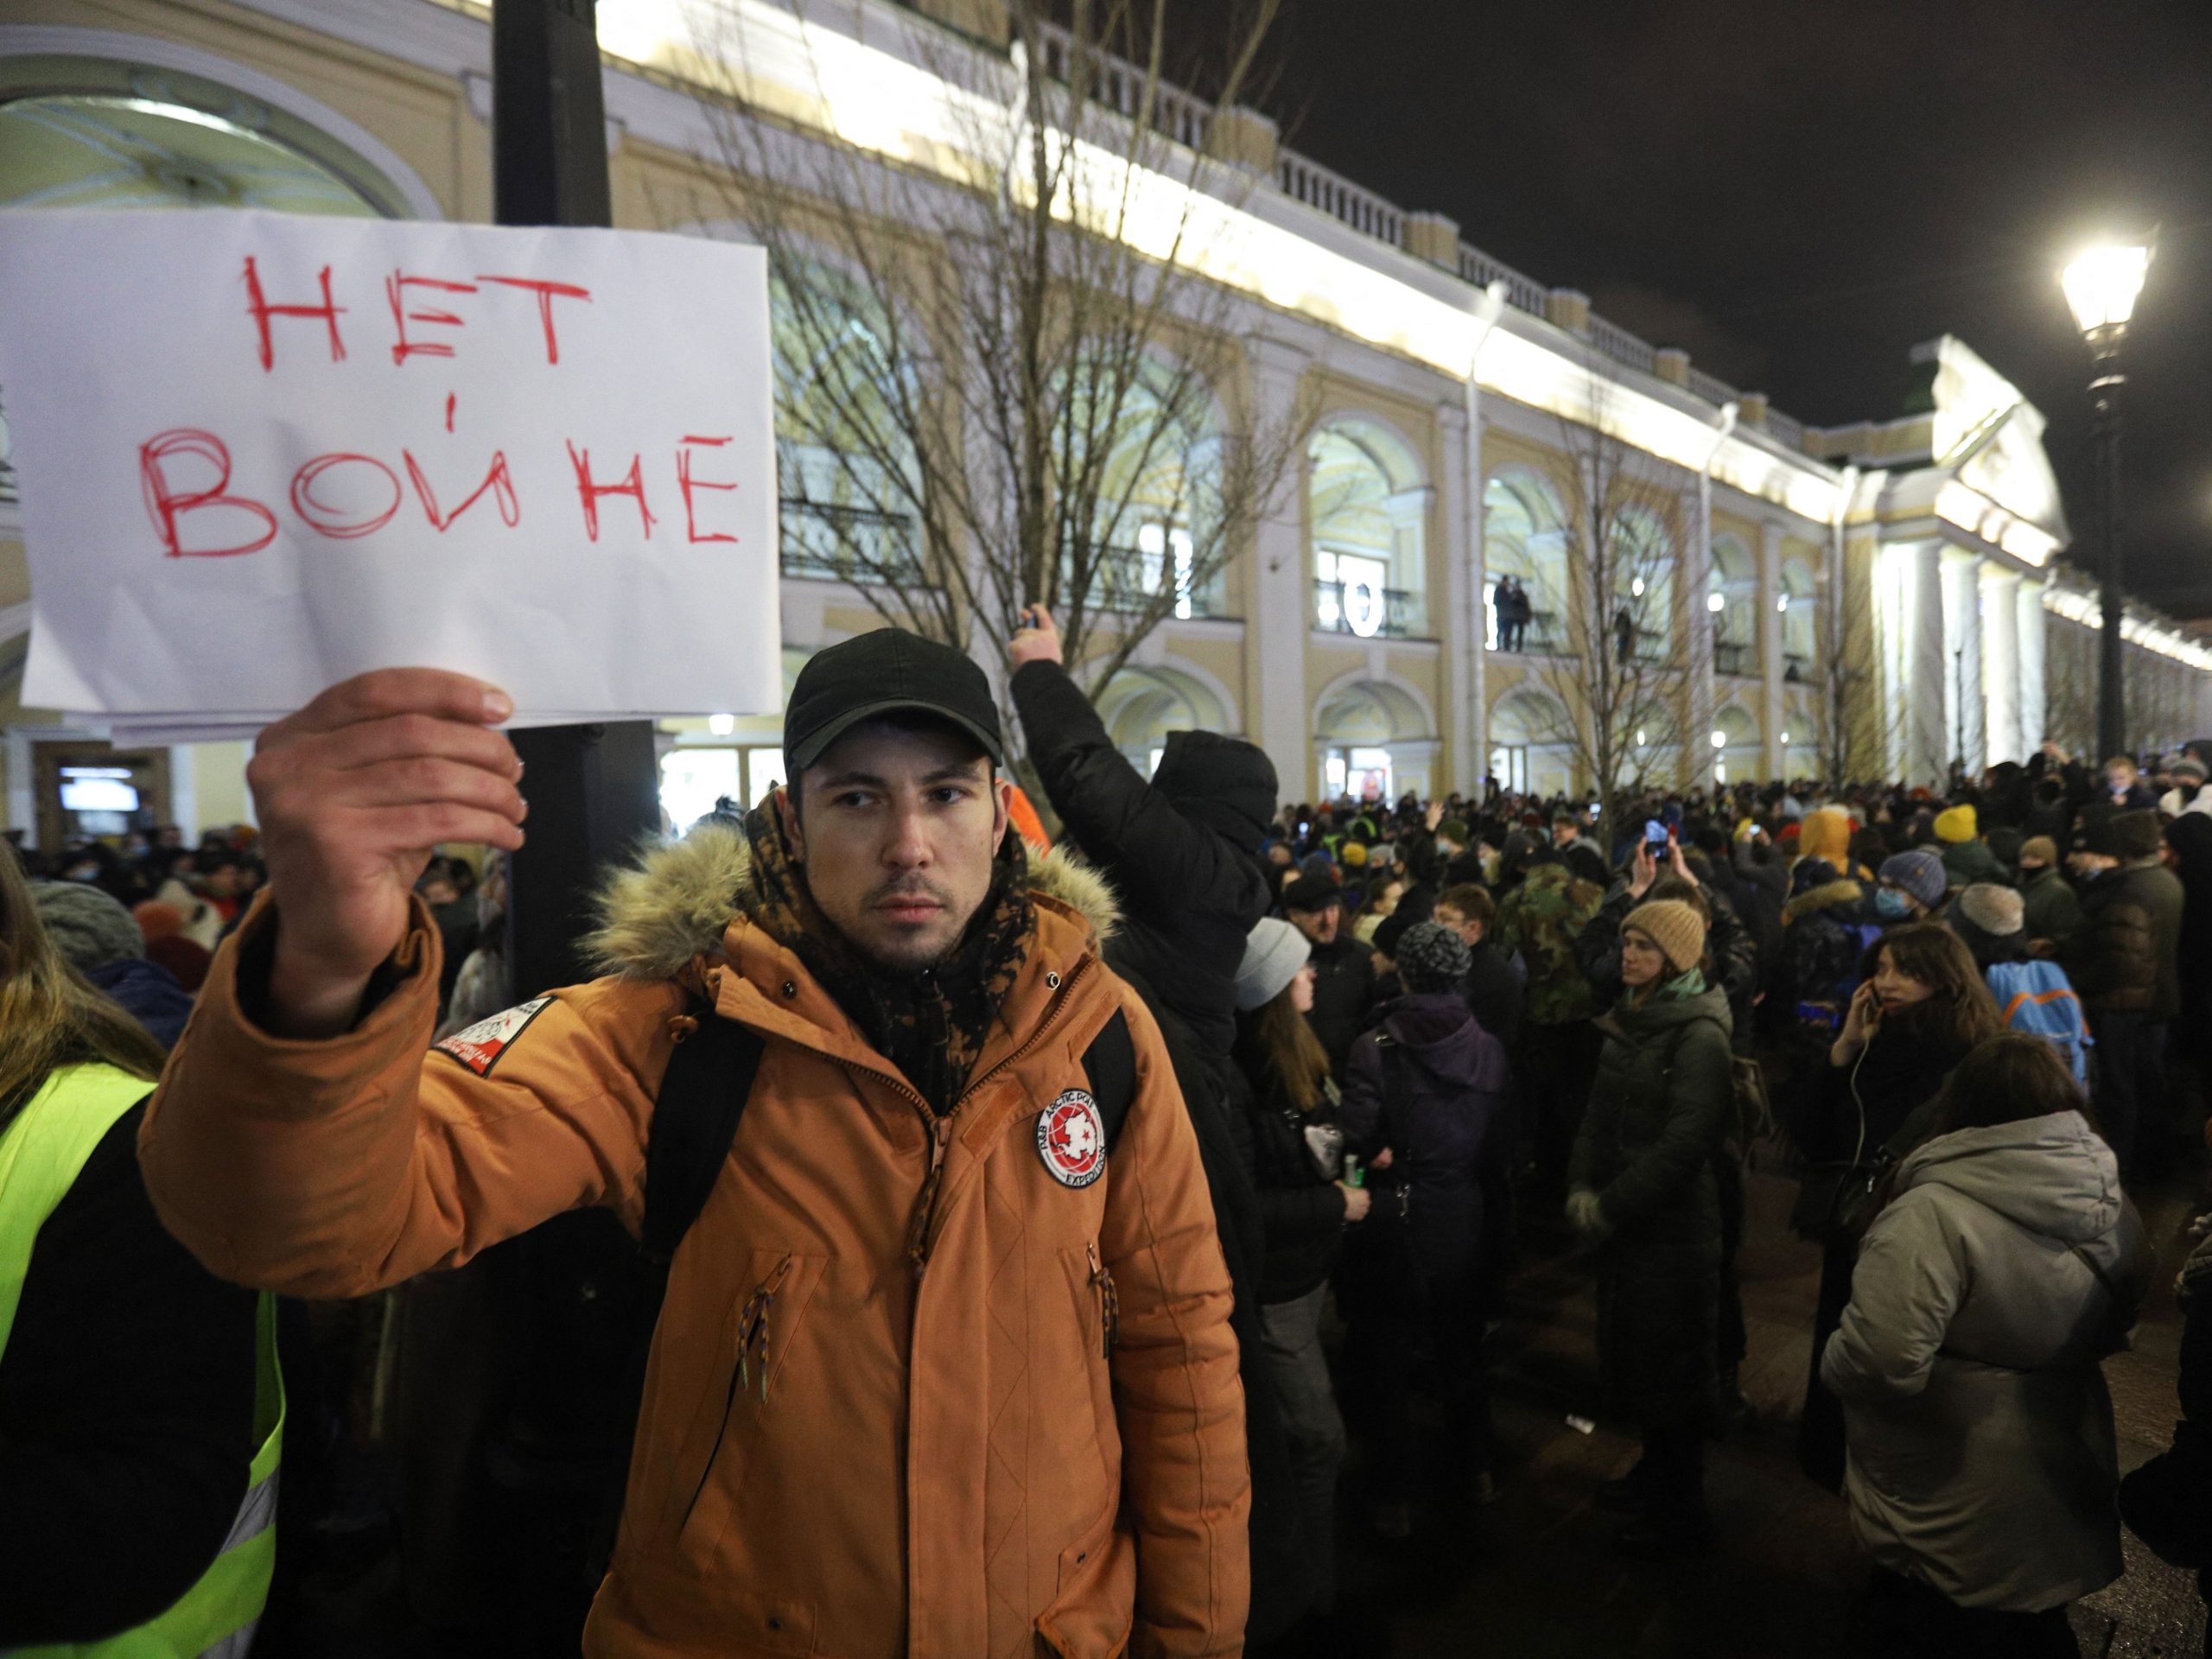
[{"x": 760, "y": 1332}]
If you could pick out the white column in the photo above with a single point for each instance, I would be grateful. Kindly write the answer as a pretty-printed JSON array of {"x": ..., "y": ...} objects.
[
  {"x": 1276, "y": 717},
  {"x": 1963, "y": 708},
  {"x": 1696, "y": 568},
  {"x": 2028, "y": 638},
  {"x": 1926, "y": 668},
  {"x": 1458, "y": 623},
  {"x": 2001, "y": 665},
  {"x": 1772, "y": 712}
]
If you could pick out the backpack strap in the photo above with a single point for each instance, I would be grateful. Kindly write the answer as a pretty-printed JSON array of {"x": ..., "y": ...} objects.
[
  {"x": 702, "y": 1100},
  {"x": 1110, "y": 1065}
]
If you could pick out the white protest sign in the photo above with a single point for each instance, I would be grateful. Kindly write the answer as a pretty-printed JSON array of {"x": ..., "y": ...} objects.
[{"x": 258, "y": 454}]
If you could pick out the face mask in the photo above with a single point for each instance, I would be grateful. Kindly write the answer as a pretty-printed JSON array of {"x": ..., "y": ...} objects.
[{"x": 1891, "y": 904}]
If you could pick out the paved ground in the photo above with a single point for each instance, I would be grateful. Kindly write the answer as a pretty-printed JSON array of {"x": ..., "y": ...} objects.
[{"x": 1534, "y": 1576}]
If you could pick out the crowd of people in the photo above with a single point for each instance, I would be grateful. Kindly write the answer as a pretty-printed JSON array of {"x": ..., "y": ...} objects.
[{"x": 1353, "y": 1060}]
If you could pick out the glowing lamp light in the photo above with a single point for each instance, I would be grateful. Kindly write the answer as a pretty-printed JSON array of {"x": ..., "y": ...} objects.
[
  {"x": 1782, "y": 604},
  {"x": 1785, "y": 739},
  {"x": 1714, "y": 603},
  {"x": 1635, "y": 588},
  {"x": 1641, "y": 740},
  {"x": 2102, "y": 284},
  {"x": 1719, "y": 739},
  {"x": 721, "y": 725}
]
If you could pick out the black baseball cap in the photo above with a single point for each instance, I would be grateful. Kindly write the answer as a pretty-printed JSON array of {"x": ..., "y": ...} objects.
[{"x": 887, "y": 671}]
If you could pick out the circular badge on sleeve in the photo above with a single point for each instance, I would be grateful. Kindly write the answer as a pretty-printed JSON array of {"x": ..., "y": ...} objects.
[{"x": 1071, "y": 1138}]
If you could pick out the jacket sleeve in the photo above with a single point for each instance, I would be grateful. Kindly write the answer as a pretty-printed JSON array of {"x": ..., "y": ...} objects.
[
  {"x": 1294, "y": 1217},
  {"x": 1360, "y": 1110},
  {"x": 1699, "y": 1090},
  {"x": 337, "y": 1167},
  {"x": 2065, "y": 919},
  {"x": 1905, "y": 1293},
  {"x": 1176, "y": 1387},
  {"x": 1156, "y": 856}
]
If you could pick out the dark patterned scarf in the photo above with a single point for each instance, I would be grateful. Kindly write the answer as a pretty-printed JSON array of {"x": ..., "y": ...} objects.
[{"x": 931, "y": 1025}]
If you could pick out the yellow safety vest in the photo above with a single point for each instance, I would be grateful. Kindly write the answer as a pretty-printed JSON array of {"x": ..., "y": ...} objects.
[{"x": 41, "y": 1154}]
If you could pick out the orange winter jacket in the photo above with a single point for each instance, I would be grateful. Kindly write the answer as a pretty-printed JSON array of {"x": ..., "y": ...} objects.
[{"x": 1034, "y": 1444}]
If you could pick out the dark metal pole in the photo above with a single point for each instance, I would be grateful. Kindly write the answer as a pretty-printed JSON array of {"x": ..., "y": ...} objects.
[
  {"x": 2112, "y": 697},
  {"x": 592, "y": 789}
]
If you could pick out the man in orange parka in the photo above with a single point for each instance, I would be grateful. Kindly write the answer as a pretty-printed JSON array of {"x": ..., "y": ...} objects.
[{"x": 935, "y": 1376}]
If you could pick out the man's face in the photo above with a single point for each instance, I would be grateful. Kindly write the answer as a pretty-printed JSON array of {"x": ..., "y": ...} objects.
[
  {"x": 2119, "y": 779},
  {"x": 1449, "y": 916},
  {"x": 2029, "y": 872},
  {"x": 897, "y": 837},
  {"x": 1319, "y": 925},
  {"x": 223, "y": 881},
  {"x": 1562, "y": 833}
]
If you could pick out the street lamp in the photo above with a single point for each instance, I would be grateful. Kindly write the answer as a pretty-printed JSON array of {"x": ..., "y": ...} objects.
[{"x": 2102, "y": 286}]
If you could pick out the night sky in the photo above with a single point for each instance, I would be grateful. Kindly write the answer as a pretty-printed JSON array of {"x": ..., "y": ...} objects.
[{"x": 1797, "y": 193}]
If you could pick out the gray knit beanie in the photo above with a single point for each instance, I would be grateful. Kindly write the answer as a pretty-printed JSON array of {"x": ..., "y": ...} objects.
[
  {"x": 1919, "y": 872},
  {"x": 1432, "y": 957},
  {"x": 1274, "y": 952},
  {"x": 87, "y": 926},
  {"x": 1998, "y": 911}
]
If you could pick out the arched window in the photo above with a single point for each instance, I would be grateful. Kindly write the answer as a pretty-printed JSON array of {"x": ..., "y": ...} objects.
[
  {"x": 102, "y": 133},
  {"x": 1370, "y": 515},
  {"x": 1799, "y": 607},
  {"x": 1737, "y": 752},
  {"x": 1731, "y": 595},
  {"x": 1532, "y": 742},
  {"x": 1525, "y": 538},
  {"x": 1373, "y": 740},
  {"x": 1141, "y": 706},
  {"x": 1159, "y": 492},
  {"x": 1642, "y": 559},
  {"x": 846, "y": 480}
]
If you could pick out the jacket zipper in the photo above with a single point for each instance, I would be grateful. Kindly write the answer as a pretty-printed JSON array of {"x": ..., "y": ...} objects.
[
  {"x": 939, "y": 1130},
  {"x": 1109, "y": 1300},
  {"x": 753, "y": 1331}
]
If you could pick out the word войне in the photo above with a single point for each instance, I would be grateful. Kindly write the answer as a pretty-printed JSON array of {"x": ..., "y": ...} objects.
[{"x": 185, "y": 471}]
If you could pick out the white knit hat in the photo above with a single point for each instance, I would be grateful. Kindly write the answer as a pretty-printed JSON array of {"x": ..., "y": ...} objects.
[{"x": 1274, "y": 952}]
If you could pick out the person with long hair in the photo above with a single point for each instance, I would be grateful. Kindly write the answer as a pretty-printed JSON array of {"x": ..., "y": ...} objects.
[
  {"x": 139, "y": 1404},
  {"x": 1983, "y": 1464},
  {"x": 1283, "y": 1120},
  {"x": 1920, "y": 1008},
  {"x": 1642, "y": 1188}
]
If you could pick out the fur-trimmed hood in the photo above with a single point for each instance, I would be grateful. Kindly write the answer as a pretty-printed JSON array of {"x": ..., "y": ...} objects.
[
  {"x": 674, "y": 904},
  {"x": 1829, "y": 895}
]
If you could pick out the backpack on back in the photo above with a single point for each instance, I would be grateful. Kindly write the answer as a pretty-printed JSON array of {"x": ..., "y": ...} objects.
[{"x": 2035, "y": 996}]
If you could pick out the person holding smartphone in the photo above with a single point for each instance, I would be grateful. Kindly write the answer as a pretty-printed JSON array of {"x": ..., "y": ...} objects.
[{"x": 1920, "y": 1010}]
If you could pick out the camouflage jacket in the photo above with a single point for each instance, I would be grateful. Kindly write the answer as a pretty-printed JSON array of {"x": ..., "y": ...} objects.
[{"x": 1542, "y": 919}]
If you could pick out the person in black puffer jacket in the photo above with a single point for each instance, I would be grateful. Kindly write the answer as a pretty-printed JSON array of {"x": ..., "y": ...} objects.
[
  {"x": 1425, "y": 1100},
  {"x": 1283, "y": 1119},
  {"x": 1641, "y": 1187},
  {"x": 1183, "y": 854}
]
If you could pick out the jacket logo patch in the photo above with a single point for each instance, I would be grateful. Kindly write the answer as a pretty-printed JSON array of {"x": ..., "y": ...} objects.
[
  {"x": 1071, "y": 1138},
  {"x": 479, "y": 1047}
]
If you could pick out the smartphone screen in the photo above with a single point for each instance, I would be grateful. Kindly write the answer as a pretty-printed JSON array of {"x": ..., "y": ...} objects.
[{"x": 1654, "y": 832}]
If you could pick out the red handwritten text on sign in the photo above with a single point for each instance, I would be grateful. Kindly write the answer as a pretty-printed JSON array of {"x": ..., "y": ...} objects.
[{"x": 186, "y": 473}]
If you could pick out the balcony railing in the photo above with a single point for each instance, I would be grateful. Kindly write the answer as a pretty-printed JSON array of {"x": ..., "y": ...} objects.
[
  {"x": 1542, "y": 635},
  {"x": 1622, "y": 346},
  {"x": 1338, "y": 197},
  {"x": 1734, "y": 657},
  {"x": 1371, "y": 612},
  {"x": 827, "y": 543},
  {"x": 1120, "y": 85},
  {"x": 1129, "y": 578}
]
